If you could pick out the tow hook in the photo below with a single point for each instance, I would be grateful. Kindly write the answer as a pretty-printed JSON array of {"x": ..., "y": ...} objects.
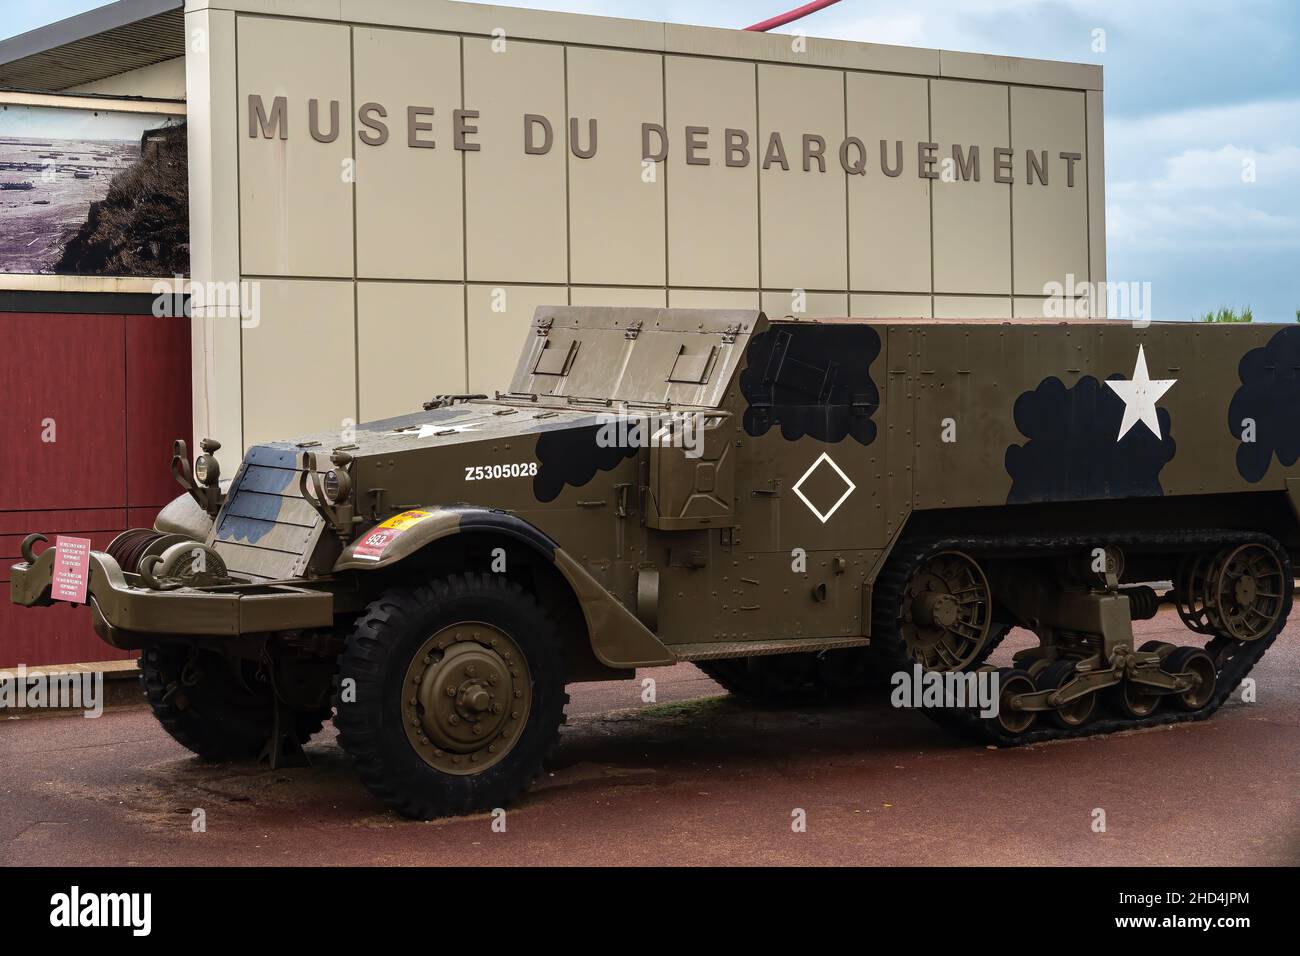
[{"x": 29, "y": 542}]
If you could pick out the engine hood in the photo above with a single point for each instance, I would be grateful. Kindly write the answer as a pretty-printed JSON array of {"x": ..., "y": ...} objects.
[
  {"x": 514, "y": 456},
  {"x": 440, "y": 427}
]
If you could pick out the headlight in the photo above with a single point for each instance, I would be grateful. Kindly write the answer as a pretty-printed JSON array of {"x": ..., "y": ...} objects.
[
  {"x": 336, "y": 486},
  {"x": 206, "y": 470}
]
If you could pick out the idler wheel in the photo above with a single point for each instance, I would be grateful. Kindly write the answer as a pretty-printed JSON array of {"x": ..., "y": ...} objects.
[{"x": 1248, "y": 585}]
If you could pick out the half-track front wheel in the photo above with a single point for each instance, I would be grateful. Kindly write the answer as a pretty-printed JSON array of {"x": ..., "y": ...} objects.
[
  {"x": 220, "y": 708},
  {"x": 451, "y": 695}
]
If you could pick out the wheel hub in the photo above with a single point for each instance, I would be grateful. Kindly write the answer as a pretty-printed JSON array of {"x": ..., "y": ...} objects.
[
  {"x": 1245, "y": 589},
  {"x": 469, "y": 692},
  {"x": 933, "y": 609}
]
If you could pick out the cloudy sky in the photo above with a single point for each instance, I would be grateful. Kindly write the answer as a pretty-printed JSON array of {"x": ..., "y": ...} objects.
[{"x": 1197, "y": 91}]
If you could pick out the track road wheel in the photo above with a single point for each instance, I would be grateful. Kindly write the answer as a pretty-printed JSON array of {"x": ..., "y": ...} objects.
[
  {"x": 220, "y": 708},
  {"x": 1133, "y": 701},
  {"x": 1078, "y": 711},
  {"x": 1013, "y": 681},
  {"x": 451, "y": 695},
  {"x": 1201, "y": 666},
  {"x": 1163, "y": 648}
]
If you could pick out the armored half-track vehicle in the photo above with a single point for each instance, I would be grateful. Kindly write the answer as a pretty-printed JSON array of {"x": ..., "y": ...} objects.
[{"x": 795, "y": 506}]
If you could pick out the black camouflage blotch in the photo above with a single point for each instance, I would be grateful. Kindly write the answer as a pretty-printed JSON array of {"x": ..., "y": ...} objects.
[
  {"x": 1072, "y": 452},
  {"x": 570, "y": 456},
  {"x": 812, "y": 349},
  {"x": 1270, "y": 394}
]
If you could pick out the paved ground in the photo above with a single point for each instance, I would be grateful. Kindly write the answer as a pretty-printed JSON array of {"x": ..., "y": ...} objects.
[{"x": 694, "y": 779}]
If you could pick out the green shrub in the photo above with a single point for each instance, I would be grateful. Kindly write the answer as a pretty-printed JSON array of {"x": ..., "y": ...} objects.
[{"x": 1225, "y": 314}]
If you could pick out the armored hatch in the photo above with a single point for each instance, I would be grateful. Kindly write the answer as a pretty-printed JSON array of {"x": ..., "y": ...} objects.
[
  {"x": 669, "y": 357},
  {"x": 651, "y": 365}
]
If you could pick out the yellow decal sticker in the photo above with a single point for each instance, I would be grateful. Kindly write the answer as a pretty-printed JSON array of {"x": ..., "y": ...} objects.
[
  {"x": 405, "y": 519},
  {"x": 375, "y": 542}
]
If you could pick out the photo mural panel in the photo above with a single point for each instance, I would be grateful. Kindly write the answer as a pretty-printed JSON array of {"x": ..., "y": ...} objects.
[{"x": 92, "y": 192}]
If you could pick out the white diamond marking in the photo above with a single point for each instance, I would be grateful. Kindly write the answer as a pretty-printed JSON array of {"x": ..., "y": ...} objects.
[{"x": 823, "y": 518}]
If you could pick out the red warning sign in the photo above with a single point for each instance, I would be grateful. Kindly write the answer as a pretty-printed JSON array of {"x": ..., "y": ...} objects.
[{"x": 71, "y": 569}]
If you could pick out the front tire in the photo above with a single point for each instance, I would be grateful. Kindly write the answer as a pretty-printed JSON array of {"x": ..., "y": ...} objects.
[{"x": 451, "y": 695}]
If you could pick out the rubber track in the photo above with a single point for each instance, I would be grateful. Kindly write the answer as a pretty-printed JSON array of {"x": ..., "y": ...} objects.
[{"x": 1233, "y": 658}]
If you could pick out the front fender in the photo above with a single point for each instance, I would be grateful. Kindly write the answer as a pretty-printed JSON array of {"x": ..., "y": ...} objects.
[{"x": 618, "y": 639}]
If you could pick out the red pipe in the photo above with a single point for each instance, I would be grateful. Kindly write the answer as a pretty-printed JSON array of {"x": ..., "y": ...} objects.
[{"x": 796, "y": 14}]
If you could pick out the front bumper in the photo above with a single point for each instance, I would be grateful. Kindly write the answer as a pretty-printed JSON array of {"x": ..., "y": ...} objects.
[{"x": 123, "y": 602}]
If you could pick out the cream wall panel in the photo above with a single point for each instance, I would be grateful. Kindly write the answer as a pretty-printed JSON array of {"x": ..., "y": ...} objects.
[
  {"x": 212, "y": 120},
  {"x": 1030, "y": 307},
  {"x": 498, "y": 320},
  {"x": 712, "y": 299},
  {"x": 616, "y": 218},
  {"x": 483, "y": 18},
  {"x": 295, "y": 208},
  {"x": 1061, "y": 310},
  {"x": 972, "y": 307},
  {"x": 890, "y": 306},
  {"x": 1096, "y": 189},
  {"x": 409, "y": 218},
  {"x": 816, "y": 51},
  {"x": 411, "y": 345},
  {"x": 889, "y": 217},
  {"x": 1049, "y": 223},
  {"x": 802, "y": 212},
  {"x": 972, "y": 220},
  {"x": 712, "y": 209},
  {"x": 815, "y": 305},
  {"x": 1011, "y": 69},
  {"x": 515, "y": 202},
  {"x": 299, "y": 360},
  {"x": 605, "y": 295}
]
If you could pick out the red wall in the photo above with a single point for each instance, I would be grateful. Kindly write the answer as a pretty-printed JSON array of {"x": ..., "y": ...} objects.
[{"x": 118, "y": 390}]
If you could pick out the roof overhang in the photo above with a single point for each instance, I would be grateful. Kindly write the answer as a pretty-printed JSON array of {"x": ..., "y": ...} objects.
[{"x": 99, "y": 43}]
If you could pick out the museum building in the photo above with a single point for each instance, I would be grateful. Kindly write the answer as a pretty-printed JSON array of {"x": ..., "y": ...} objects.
[{"x": 248, "y": 219}]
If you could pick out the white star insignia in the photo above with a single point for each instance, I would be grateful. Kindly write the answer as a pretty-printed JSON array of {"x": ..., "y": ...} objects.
[
  {"x": 433, "y": 429},
  {"x": 1140, "y": 395}
]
